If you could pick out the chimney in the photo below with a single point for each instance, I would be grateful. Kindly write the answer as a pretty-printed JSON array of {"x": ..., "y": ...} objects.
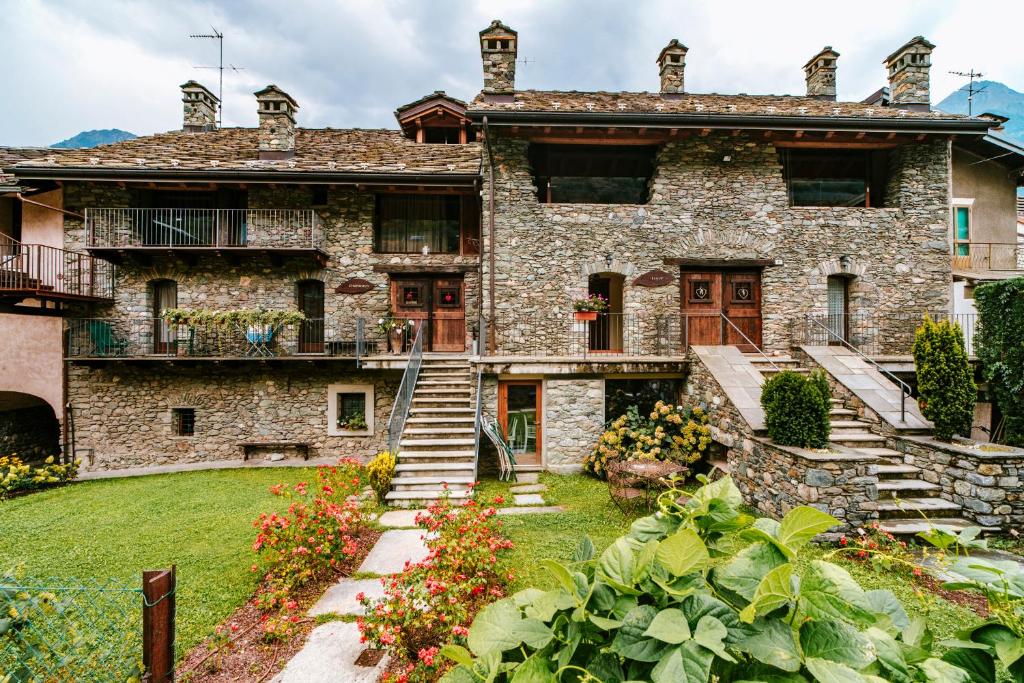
[
  {"x": 276, "y": 110},
  {"x": 200, "y": 108},
  {"x": 820, "y": 72},
  {"x": 908, "y": 74},
  {"x": 498, "y": 49},
  {"x": 671, "y": 65}
]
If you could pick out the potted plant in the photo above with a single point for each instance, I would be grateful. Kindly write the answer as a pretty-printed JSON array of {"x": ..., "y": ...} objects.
[
  {"x": 398, "y": 333},
  {"x": 355, "y": 422},
  {"x": 587, "y": 309}
]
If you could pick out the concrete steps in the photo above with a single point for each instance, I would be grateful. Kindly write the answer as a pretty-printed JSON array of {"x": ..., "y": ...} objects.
[
  {"x": 929, "y": 507},
  {"x": 909, "y": 526}
]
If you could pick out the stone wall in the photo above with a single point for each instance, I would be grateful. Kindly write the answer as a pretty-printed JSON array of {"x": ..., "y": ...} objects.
[
  {"x": 704, "y": 207},
  {"x": 573, "y": 421},
  {"x": 122, "y": 412},
  {"x": 32, "y": 434}
]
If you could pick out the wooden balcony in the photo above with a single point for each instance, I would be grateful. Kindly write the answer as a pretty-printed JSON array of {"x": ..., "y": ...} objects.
[
  {"x": 985, "y": 256},
  {"x": 38, "y": 271},
  {"x": 117, "y": 234}
]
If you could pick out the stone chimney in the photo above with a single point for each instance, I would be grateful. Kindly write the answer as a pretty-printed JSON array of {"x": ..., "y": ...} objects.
[
  {"x": 820, "y": 72},
  {"x": 276, "y": 110},
  {"x": 671, "y": 66},
  {"x": 200, "y": 108},
  {"x": 499, "y": 46},
  {"x": 908, "y": 74}
]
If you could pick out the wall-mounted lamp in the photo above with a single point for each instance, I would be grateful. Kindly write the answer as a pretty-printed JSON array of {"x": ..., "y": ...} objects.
[{"x": 608, "y": 260}]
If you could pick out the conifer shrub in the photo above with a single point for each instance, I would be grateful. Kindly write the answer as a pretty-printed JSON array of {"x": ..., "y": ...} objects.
[
  {"x": 380, "y": 471},
  {"x": 999, "y": 345},
  {"x": 796, "y": 409},
  {"x": 945, "y": 381}
]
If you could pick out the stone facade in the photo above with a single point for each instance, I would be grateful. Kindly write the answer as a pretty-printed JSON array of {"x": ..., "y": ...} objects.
[
  {"x": 498, "y": 49},
  {"x": 32, "y": 433},
  {"x": 573, "y": 421},
  {"x": 820, "y": 72},
  {"x": 908, "y": 69}
]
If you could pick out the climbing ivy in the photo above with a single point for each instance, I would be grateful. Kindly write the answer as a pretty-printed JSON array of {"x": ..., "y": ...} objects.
[{"x": 999, "y": 345}]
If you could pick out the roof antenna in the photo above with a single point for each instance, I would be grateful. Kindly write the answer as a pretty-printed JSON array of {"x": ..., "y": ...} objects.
[
  {"x": 971, "y": 90},
  {"x": 219, "y": 37}
]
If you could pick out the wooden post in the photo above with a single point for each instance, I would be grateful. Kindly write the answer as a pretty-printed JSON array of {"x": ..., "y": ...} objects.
[{"x": 158, "y": 588}]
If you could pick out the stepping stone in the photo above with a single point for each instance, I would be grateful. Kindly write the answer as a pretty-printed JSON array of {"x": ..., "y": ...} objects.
[
  {"x": 399, "y": 518},
  {"x": 529, "y": 488},
  {"x": 535, "y": 510},
  {"x": 527, "y": 477},
  {"x": 329, "y": 656},
  {"x": 341, "y": 597},
  {"x": 528, "y": 499},
  {"x": 393, "y": 550}
]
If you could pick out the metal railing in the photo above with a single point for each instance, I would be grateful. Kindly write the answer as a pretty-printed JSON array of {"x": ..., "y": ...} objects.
[
  {"x": 905, "y": 389},
  {"x": 153, "y": 337},
  {"x": 476, "y": 422},
  {"x": 199, "y": 228},
  {"x": 46, "y": 270},
  {"x": 985, "y": 256},
  {"x": 403, "y": 398},
  {"x": 876, "y": 334},
  {"x": 560, "y": 334},
  {"x": 757, "y": 348}
]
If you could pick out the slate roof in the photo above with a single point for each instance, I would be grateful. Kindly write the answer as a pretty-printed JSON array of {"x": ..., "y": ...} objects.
[
  {"x": 320, "y": 150},
  {"x": 12, "y": 155},
  {"x": 689, "y": 103}
]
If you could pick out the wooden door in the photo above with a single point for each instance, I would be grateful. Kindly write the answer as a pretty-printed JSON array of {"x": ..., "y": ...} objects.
[
  {"x": 701, "y": 296},
  {"x": 520, "y": 415},
  {"x": 448, "y": 315},
  {"x": 165, "y": 296},
  {"x": 410, "y": 300},
  {"x": 741, "y": 303}
]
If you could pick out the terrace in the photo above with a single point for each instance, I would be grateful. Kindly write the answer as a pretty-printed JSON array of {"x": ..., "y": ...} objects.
[{"x": 50, "y": 274}]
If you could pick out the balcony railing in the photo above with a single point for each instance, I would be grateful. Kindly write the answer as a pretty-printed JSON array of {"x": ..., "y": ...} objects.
[
  {"x": 611, "y": 334},
  {"x": 51, "y": 273},
  {"x": 985, "y": 256},
  {"x": 281, "y": 229},
  {"x": 876, "y": 334}
]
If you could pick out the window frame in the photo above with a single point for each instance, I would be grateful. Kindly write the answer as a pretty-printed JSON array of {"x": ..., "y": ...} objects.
[
  {"x": 333, "y": 390},
  {"x": 464, "y": 206},
  {"x": 876, "y": 174},
  {"x": 547, "y": 158},
  {"x": 177, "y": 422},
  {"x": 956, "y": 205}
]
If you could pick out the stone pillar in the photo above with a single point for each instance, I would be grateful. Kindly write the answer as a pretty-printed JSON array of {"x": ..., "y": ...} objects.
[
  {"x": 276, "y": 110},
  {"x": 671, "y": 66},
  {"x": 200, "y": 108},
  {"x": 908, "y": 69},
  {"x": 499, "y": 46},
  {"x": 820, "y": 73},
  {"x": 573, "y": 421}
]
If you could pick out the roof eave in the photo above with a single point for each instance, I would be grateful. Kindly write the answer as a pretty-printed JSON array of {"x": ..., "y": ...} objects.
[{"x": 161, "y": 175}]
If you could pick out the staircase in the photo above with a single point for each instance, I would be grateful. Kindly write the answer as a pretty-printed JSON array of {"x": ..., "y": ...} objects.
[
  {"x": 438, "y": 443},
  {"x": 903, "y": 496}
]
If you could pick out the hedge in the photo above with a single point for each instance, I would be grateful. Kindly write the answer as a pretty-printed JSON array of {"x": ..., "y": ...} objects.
[
  {"x": 796, "y": 409},
  {"x": 945, "y": 380},
  {"x": 999, "y": 345}
]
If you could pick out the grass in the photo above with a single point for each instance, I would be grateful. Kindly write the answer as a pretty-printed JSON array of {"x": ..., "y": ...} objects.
[{"x": 115, "y": 528}]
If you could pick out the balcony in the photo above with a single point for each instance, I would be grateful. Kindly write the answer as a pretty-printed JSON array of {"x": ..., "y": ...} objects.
[
  {"x": 51, "y": 274},
  {"x": 876, "y": 334},
  {"x": 985, "y": 256},
  {"x": 139, "y": 234}
]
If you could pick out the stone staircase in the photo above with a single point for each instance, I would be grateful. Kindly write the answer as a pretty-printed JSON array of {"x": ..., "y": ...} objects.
[
  {"x": 437, "y": 444},
  {"x": 904, "y": 498}
]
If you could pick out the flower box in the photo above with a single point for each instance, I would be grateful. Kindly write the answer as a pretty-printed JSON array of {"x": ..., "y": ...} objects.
[{"x": 585, "y": 315}]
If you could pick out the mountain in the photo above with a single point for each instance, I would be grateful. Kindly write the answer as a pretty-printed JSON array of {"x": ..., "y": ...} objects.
[
  {"x": 91, "y": 138},
  {"x": 995, "y": 98}
]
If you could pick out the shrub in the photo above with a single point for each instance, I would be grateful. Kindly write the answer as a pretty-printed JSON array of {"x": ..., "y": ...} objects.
[
  {"x": 676, "y": 433},
  {"x": 796, "y": 409},
  {"x": 999, "y": 345},
  {"x": 701, "y": 592},
  {"x": 380, "y": 471},
  {"x": 945, "y": 382},
  {"x": 431, "y": 603},
  {"x": 18, "y": 477}
]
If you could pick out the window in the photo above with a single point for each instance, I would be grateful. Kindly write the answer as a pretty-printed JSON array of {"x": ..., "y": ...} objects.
[
  {"x": 592, "y": 174},
  {"x": 310, "y": 300},
  {"x": 437, "y": 135},
  {"x": 406, "y": 224},
  {"x": 183, "y": 421},
  {"x": 620, "y": 394},
  {"x": 835, "y": 177},
  {"x": 350, "y": 409},
  {"x": 319, "y": 197},
  {"x": 961, "y": 230}
]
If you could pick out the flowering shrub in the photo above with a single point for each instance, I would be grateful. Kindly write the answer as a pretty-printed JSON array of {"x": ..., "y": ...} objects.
[
  {"x": 380, "y": 471},
  {"x": 675, "y": 433},
  {"x": 16, "y": 476},
  {"x": 433, "y": 602},
  {"x": 593, "y": 303},
  {"x": 313, "y": 536}
]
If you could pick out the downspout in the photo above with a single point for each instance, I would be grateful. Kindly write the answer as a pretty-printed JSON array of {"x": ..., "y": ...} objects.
[
  {"x": 26, "y": 200},
  {"x": 490, "y": 237}
]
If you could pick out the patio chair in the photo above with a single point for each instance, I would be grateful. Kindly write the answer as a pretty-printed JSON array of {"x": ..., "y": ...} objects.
[
  {"x": 517, "y": 432},
  {"x": 104, "y": 341},
  {"x": 506, "y": 457}
]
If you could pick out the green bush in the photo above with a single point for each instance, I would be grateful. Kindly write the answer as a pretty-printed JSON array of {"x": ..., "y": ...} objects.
[
  {"x": 18, "y": 477},
  {"x": 999, "y": 345},
  {"x": 945, "y": 381},
  {"x": 796, "y": 409},
  {"x": 380, "y": 471},
  {"x": 702, "y": 592}
]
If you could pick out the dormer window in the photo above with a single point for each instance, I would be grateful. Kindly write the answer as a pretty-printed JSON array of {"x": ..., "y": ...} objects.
[{"x": 436, "y": 120}]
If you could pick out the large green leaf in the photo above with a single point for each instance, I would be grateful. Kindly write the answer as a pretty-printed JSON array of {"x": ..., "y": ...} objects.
[
  {"x": 561, "y": 574},
  {"x": 1009, "y": 651},
  {"x": 827, "y": 591},
  {"x": 545, "y": 605},
  {"x": 630, "y": 641},
  {"x": 883, "y": 603},
  {"x": 979, "y": 665},
  {"x": 653, "y": 527},
  {"x": 836, "y": 641},
  {"x": 770, "y": 641},
  {"x": 460, "y": 674},
  {"x": 534, "y": 669},
  {"x": 723, "y": 490},
  {"x": 532, "y": 632},
  {"x": 700, "y": 605},
  {"x": 669, "y": 626},
  {"x": 605, "y": 666},
  {"x": 827, "y": 671},
  {"x": 711, "y": 633},
  {"x": 616, "y": 565},
  {"x": 803, "y": 523},
  {"x": 683, "y": 553},
  {"x": 774, "y": 591},
  {"x": 584, "y": 550},
  {"x": 687, "y": 663},
  {"x": 457, "y": 654},
  {"x": 744, "y": 572},
  {"x": 493, "y": 628},
  {"x": 889, "y": 655},
  {"x": 938, "y": 671}
]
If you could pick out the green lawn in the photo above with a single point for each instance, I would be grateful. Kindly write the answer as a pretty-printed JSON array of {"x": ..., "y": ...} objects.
[{"x": 115, "y": 528}]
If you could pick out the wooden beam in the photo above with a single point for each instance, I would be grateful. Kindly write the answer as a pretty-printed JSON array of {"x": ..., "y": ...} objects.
[{"x": 834, "y": 144}]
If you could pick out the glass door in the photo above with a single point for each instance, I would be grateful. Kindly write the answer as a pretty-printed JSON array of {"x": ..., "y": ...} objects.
[
  {"x": 520, "y": 416},
  {"x": 837, "y": 313},
  {"x": 165, "y": 296}
]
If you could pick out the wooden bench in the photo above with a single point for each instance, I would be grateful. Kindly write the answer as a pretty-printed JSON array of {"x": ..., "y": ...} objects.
[{"x": 300, "y": 446}]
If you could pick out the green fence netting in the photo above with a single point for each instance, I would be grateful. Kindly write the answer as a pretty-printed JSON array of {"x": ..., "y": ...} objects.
[{"x": 59, "y": 629}]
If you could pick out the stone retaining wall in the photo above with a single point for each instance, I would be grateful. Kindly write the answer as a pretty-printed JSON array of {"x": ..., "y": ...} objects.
[{"x": 573, "y": 421}]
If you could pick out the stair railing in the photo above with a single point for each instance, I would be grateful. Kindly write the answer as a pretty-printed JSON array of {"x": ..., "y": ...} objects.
[
  {"x": 756, "y": 347},
  {"x": 905, "y": 389},
  {"x": 476, "y": 423},
  {"x": 403, "y": 399}
]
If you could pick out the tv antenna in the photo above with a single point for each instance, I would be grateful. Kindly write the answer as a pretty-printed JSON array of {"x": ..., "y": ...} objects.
[
  {"x": 219, "y": 37},
  {"x": 971, "y": 90},
  {"x": 526, "y": 61}
]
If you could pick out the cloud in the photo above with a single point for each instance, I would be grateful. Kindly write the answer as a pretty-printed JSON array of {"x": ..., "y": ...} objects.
[{"x": 118, "y": 63}]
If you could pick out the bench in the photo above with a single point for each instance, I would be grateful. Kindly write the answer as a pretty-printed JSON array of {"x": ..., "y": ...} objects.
[{"x": 300, "y": 446}]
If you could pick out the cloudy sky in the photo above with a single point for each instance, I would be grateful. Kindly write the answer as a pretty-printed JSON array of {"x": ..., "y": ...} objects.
[{"x": 74, "y": 65}]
